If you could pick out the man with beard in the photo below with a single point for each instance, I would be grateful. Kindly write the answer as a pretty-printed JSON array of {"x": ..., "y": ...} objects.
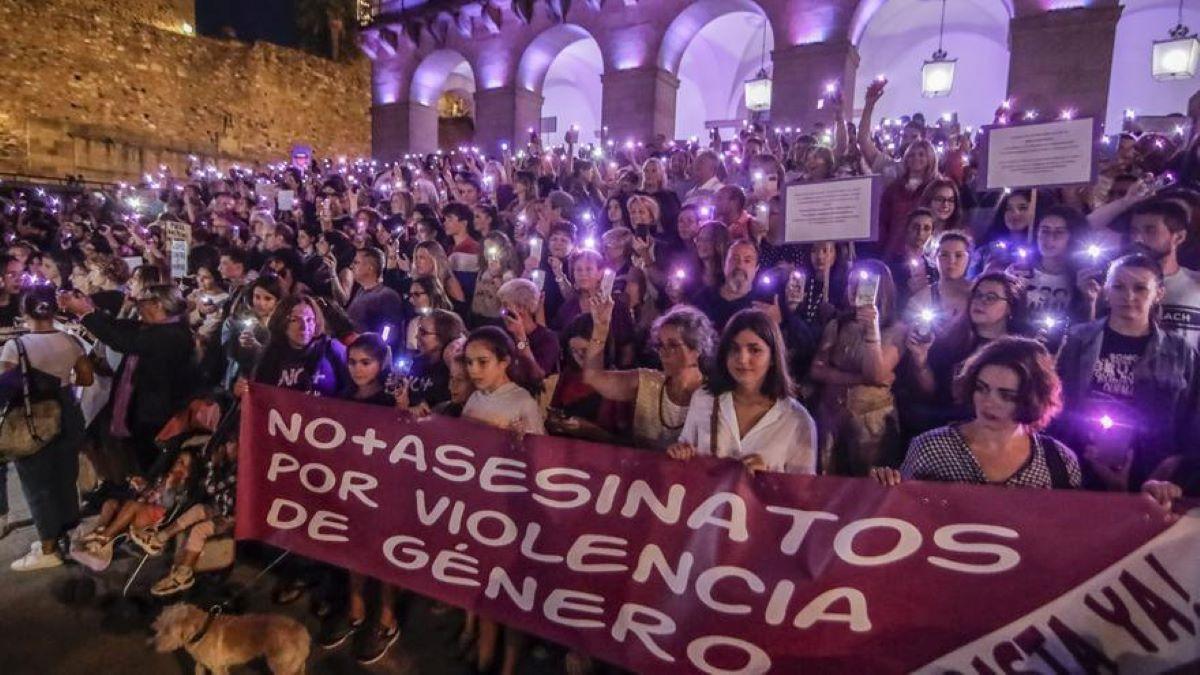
[
  {"x": 738, "y": 291},
  {"x": 1158, "y": 228}
]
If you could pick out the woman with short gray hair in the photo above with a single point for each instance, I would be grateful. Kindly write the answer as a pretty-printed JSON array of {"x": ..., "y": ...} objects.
[{"x": 685, "y": 340}]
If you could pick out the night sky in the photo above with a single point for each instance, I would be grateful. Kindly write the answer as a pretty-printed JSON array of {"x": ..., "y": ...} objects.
[{"x": 269, "y": 20}]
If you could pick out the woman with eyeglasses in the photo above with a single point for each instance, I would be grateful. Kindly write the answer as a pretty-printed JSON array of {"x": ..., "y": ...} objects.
[
  {"x": 684, "y": 339},
  {"x": 425, "y": 294},
  {"x": 428, "y": 382},
  {"x": 942, "y": 199},
  {"x": 996, "y": 308}
]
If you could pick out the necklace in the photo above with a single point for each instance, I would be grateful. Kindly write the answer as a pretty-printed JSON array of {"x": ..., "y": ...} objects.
[{"x": 662, "y": 418}]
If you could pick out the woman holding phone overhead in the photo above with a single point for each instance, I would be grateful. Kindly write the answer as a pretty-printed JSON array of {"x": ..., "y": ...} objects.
[{"x": 856, "y": 361}]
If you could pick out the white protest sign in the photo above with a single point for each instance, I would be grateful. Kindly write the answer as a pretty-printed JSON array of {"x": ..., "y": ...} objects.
[
  {"x": 1040, "y": 155},
  {"x": 832, "y": 210},
  {"x": 179, "y": 237}
]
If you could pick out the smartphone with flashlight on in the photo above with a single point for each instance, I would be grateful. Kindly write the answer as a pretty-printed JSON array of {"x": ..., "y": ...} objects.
[
  {"x": 1111, "y": 428},
  {"x": 923, "y": 329},
  {"x": 867, "y": 289},
  {"x": 397, "y": 378},
  {"x": 606, "y": 283}
]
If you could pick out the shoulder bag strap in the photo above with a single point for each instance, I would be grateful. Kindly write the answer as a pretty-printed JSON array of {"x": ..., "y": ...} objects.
[
  {"x": 23, "y": 357},
  {"x": 712, "y": 429},
  {"x": 1060, "y": 479}
]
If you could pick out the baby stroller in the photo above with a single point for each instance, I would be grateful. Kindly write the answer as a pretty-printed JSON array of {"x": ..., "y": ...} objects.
[{"x": 199, "y": 428}]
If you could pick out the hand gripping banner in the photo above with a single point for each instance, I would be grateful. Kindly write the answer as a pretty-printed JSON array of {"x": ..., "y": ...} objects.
[{"x": 664, "y": 566}]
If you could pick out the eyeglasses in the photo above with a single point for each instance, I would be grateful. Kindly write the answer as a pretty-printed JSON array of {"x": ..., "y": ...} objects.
[
  {"x": 416, "y": 294},
  {"x": 668, "y": 346},
  {"x": 944, "y": 200},
  {"x": 987, "y": 298}
]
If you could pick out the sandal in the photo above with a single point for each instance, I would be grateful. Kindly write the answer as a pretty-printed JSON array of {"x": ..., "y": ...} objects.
[
  {"x": 147, "y": 540},
  {"x": 178, "y": 580},
  {"x": 96, "y": 554}
]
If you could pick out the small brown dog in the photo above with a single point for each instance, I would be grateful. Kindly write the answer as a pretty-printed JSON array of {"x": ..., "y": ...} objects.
[{"x": 232, "y": 640}]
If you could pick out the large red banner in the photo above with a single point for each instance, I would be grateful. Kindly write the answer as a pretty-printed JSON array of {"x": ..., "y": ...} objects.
[{"x": 668, "y": 566}]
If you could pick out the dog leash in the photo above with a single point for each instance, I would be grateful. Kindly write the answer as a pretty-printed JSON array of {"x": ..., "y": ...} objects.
[
  {"x": 220, "y": 607},
  {"x": 210, "y": 616}
]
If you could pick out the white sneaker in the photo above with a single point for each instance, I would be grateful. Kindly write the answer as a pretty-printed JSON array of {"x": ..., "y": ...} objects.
[{"x": 36, "y": 560}]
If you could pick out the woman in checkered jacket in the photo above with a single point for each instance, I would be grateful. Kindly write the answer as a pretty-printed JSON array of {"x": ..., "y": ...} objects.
[{"x": 1013, "y": 391}]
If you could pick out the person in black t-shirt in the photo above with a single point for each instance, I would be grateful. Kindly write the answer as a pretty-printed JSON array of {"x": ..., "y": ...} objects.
[
  {"x": 367, "y": 358},
  {"x": 1130, "y": 387},
  {"x": 429, "y": 379},
  {"x": 738, "y": 291}
]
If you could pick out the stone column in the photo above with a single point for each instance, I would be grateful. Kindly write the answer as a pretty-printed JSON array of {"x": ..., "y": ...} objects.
[
  {"x": 1063, "y": 59},
  {"x": 504, "y": 115},
  {"x": 639, "y": 103},
  {"x": 405, "y": 126},
  {"x": 798, "y": 78}
]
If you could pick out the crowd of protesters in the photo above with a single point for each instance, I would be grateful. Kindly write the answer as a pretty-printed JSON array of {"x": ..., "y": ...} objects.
[{"x": 622, "y": 290}]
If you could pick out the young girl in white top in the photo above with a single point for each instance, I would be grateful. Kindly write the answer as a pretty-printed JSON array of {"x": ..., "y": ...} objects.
[
  {"x": 756, "y": 419},
  {"x": 501, "y": 399}
]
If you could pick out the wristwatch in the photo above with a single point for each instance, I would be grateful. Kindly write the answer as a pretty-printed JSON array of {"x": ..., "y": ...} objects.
[{"x": 522, "y": 345}]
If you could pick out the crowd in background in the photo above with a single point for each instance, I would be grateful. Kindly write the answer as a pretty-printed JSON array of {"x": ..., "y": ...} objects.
[{"x": 629, "y": 289}]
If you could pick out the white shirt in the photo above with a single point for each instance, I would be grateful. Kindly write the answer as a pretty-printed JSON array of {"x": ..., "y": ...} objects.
[
  {"x": 1181, "y": 305},
  {"x": 502, "y": 407},
  {"x": 699, "y": 192},
  {"x": 785, "y": 438},
  {"x": 52, "y": 353}
]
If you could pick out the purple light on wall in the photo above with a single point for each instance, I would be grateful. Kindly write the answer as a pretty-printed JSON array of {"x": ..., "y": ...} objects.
[
  {"x": 386, "y": 89},
  {"x": 684, "y": 28},
  {"x": 493, "y": 68},
  {"x": 535, "y": 62},
  {"x": 429, "y": 78},
  {"x": 1052, "y": 5}
]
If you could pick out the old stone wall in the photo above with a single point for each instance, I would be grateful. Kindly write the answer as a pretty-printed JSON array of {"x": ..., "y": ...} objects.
[{"x": 112, "y": 89}]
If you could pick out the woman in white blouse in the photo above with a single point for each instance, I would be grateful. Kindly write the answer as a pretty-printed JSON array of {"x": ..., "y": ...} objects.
[{"x": 755, "y": 420}]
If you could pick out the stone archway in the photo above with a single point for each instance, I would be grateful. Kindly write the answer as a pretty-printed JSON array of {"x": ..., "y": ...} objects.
[
  {"x": 563, "y": 65},
  {"x": 713, "y": 47},
  {"x": 441, "y": 71},
  {"x": 895, "y": 37}
]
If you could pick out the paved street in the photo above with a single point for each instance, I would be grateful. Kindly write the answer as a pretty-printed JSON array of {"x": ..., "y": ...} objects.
[{"x": 40, "y": 634}]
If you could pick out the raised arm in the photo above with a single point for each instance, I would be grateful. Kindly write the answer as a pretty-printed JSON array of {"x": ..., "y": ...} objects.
[
  {"x": 619, "y": 385},
  {"x": 866, "y": 144}
]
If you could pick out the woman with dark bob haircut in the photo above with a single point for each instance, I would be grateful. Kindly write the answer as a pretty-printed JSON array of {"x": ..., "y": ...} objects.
[
  {"x": 1014, "y": 392},
  {"x": 746, "y": 411}
]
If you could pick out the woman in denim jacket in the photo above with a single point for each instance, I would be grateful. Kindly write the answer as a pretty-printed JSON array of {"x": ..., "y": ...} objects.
[{"x": 1131, "y": 388}]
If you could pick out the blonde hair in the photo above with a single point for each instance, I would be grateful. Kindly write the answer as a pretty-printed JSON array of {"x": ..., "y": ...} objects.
[
  {"x": 931, "y": 170},
  {"x": 662, "y": 174},
  {"x": 441, "y": 262},
  {"x": 651, "y": 205}
]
